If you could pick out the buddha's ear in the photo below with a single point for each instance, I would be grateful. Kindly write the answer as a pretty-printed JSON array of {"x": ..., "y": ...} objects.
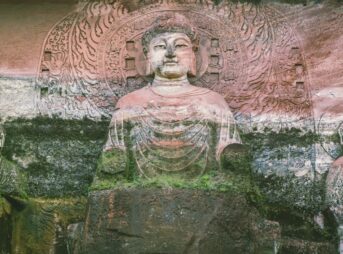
[
  {"x": 193, "y": 67},
  {"x": 148, "y": 70}
]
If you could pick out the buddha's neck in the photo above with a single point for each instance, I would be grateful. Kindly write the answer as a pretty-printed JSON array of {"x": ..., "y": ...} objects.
[{"x": 160, "y": 82}]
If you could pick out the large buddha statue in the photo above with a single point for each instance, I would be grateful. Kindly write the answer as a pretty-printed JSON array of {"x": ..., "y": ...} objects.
[{"x": 169, "y": 126}]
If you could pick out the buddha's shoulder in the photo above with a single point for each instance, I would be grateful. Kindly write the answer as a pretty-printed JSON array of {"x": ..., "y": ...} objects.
[
  {"x": 212, "y": 97},
  {"x": 138, "y": 97}
]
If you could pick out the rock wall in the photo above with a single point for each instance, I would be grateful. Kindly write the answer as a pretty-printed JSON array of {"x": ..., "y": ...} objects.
[{"x": 281, "y": 74}]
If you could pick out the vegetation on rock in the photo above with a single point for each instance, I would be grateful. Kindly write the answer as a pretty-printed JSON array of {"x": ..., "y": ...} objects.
[{"x": 46, "y": 158}]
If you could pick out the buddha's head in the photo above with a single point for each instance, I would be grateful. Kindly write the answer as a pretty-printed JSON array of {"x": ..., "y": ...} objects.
[{"x": 170, "y": 47}]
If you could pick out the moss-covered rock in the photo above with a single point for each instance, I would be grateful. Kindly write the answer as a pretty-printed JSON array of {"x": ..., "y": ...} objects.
[
  {"x": 284, "y": 166},
  {"x": 33, "y": 229},
  {"x": 5, "y": 226},
  {"x": 12, "y": 180},
  {"x": 41, "y": 225},
  {"x": 274, "y": 174},
  {"x": 150, "y": 220},
  {"x": 58, "y": 156}
]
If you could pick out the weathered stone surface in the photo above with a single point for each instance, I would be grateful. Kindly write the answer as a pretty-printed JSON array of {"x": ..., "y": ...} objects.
[
  {"x": 23, "y": 27},
  {"x": 306, "y": 247},
  {"x": 5, "y": 226},
  {"x": 12, "y": 179},
  {"x": 283, "y": 165},
  {"x": 41, "y": 226},
  {"x": 175, "y": 221},
  {"x": 18, "y": 98},
  {"x": 25, "y": 24},
  {"x": 170, "y": 127},
  {"x": 57, "y": 157},
  {"x": 296, "y": 47}
]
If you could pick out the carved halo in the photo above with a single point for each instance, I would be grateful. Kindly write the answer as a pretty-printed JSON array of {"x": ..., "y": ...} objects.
[
  {"x": 248, "y": 53},
  {"x": 122, "y": 61}
]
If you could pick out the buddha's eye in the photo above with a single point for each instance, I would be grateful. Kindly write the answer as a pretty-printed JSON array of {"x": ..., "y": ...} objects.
[
  {"x": 160, "y": 46},
  {"x": 181, "y": 45}
]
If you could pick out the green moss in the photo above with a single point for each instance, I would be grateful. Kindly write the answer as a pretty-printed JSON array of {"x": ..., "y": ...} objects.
[
  {"x": 299, "y": 224},
  {"x": 33, "y": 229},
  {"x": 45, "y": 127},
  {"x": 5, "y": 226},
  {"x": 234, "y": 174},
  {"x": 216, "y": 181},
  {"x": 34, "y": 226},
  {"x": 66, "y": 210},
  {"x": 130, "y": 161},
  {"x": 12, "y": 180},
  {"x": 286, "y": 137},
  {"x": 5, "y": 208},
  {"x": 58, "y": 156},
  {"x": 294, "y": 208},
  {"x": 237, "y": 159},
  {"x": 302, "y": 2},
  {"x": 112, "y": 162}
]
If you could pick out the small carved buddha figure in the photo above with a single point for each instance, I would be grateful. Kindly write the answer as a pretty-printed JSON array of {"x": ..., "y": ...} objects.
[{"x": 169, "y": 126}]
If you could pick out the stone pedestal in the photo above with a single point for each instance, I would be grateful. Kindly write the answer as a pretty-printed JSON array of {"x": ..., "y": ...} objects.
[{"x": 174, "y": 221}]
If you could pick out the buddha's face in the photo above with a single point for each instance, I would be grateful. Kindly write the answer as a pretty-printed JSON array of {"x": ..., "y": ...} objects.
[{"x": 171, "y": 55}]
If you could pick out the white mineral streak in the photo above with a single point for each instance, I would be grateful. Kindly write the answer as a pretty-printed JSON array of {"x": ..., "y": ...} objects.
[{"x": 18, "y": 98}]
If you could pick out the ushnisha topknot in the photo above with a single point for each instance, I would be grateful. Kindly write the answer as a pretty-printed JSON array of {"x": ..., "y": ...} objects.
[{"x": 170, "y": 23}]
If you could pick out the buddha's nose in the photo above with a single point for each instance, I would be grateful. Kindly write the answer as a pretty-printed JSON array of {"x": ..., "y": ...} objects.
[{"x": 170, "y": 53}]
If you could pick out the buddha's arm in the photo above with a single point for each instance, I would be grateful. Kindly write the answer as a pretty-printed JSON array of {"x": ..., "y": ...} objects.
[
  {"x": 113, "y": 159},
  {"x": 231, "y": 154},
  {"x": 227, "y": 134}
]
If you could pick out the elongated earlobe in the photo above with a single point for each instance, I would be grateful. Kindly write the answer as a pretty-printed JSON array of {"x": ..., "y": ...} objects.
[
  {"x": 148, "y": 70},
  {"x": 193, "y": 67}
]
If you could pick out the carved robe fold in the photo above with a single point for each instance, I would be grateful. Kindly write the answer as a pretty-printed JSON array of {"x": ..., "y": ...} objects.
[{"x": 185, "y": 133}]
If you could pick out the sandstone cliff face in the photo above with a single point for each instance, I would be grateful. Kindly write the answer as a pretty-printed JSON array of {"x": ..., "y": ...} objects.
[
  {"x": 50, "y": 155},
  {"x": 25, "y": 26},
  {"x": 175, "y": 221}
]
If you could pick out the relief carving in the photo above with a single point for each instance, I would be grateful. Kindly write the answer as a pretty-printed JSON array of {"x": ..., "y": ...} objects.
[
  {"x": 247, "y": 53},
  {"x": 169, "y": 126}
]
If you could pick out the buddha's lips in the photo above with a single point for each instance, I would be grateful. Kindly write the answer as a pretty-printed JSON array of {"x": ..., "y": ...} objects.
[{"x": 170, "y": 63}]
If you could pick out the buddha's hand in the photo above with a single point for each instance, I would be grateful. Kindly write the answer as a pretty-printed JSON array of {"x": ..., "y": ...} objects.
[
  {"x": 112, "y": 161},
  {"x": 236, "y": 157}
]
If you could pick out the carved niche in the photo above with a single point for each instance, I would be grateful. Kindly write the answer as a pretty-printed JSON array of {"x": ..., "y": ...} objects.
[{"x": 93, "y": 57}]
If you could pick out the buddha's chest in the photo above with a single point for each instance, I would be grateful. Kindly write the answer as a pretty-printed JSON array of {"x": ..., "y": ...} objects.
[
  {"x": 172, "y": 139},
  {"x": 171, "y": 127}
]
